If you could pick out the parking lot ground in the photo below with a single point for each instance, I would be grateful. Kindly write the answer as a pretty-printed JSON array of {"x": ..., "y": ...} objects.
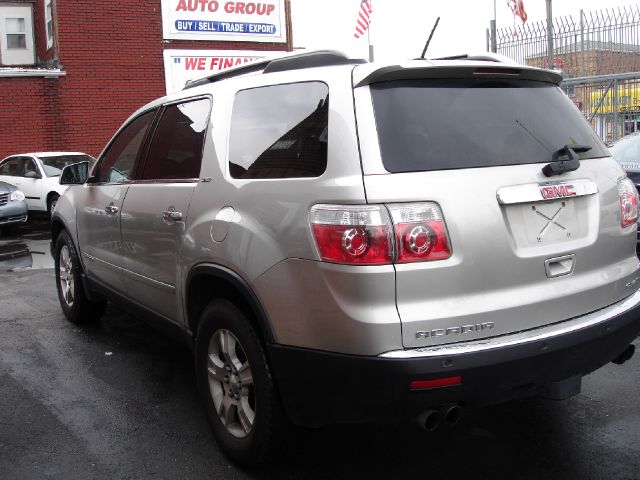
[
  {"x": 117, "y": 400},
  {"x": 26, "y": 246}
]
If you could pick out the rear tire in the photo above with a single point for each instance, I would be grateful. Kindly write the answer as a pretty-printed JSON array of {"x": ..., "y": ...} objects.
[
  {"x": 237, "y": 388},
  {"x": 73, "y": 299}
]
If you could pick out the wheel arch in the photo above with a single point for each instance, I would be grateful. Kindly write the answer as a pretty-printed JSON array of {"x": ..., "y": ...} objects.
[
  {"x": 57, "y": 225},
  {"x": 206, "y": 282},
  {"x": 51, "y": 194}
]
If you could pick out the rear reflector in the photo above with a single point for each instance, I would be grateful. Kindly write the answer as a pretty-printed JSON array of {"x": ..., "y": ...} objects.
[{"x": 435, "y": 383}]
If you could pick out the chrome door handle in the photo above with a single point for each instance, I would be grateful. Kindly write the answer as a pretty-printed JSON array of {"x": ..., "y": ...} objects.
[
  {"x": 171, "y": 216},
  {"x": 111, "y": 209}
]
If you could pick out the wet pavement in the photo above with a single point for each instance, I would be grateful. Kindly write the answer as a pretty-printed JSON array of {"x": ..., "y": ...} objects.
[
  {"x": 26, "y": 247},
  {"x": 117, "y": 400}
]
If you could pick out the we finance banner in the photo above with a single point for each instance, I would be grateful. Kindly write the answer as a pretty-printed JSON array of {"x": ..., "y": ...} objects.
[
  {"x": 263, "y": 21},
  {"x": 182, "y": 66}
]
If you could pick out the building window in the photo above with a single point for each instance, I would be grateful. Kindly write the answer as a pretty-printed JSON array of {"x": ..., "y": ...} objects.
[
  {"x": 48, "y": 21},
  {"x": 16, "y": 35}
]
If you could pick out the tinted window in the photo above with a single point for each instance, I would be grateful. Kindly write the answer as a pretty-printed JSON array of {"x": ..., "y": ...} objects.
[
  {"x": 280, "y": 131},
  {"x": 176, "y": 148},
  {"x": 18, "y": 167},
  {"x": 448, "y": 124},
  {"x": 627, "y": 152},
  {"x": 12, "y": 167},
  {"x": 116, "y": 165},
  {"x": 53, "y": 165}
]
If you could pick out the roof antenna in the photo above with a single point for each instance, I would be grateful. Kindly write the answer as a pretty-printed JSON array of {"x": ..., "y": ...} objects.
[{"x": 424, "y": 52}]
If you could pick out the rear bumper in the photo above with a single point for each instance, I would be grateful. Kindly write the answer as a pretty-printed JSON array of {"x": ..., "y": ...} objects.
[{"x": 319, "y": 388}]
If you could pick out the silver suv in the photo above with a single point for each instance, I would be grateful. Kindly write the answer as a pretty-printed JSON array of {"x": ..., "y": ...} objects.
[{"x": 340, "y": 241}]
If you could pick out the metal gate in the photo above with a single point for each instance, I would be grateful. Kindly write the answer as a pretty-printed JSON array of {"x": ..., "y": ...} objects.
[{"x": 599, "y": 56}]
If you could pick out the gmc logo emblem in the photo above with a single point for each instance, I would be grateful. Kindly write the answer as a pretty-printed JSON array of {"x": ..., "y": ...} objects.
[{"x": 557, "y": 191}]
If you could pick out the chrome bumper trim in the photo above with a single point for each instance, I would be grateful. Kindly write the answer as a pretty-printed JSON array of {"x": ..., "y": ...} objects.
[{"x": 547, "y": 332}]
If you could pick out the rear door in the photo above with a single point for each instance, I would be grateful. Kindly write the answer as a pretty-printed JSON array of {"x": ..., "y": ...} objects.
[
  {"x": 100, "y": 203},
  {"x": 155, "y": 210},
  {"x": 526, "y": 249}
]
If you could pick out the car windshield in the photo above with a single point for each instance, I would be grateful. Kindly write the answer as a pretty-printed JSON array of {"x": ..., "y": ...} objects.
[
  {"x": 627, "y": 152},
  {"x": 53, "y": 165},
  {"x": 469, "y": 123}
]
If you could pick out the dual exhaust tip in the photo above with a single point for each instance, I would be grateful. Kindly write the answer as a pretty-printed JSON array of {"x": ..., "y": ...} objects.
[{"x": 448, "y": 414}]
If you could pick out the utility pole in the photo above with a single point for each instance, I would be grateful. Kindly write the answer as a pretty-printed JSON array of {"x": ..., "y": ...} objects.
[
  {"x": 494, "y": 40},
  {"x": 550, "y": 60}
]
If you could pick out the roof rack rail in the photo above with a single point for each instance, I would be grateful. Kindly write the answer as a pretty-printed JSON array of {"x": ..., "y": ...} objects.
[{"x": 319, "y": 58}]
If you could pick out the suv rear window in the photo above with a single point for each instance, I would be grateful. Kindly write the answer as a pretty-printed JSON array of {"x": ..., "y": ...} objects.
[{"x": 467, "y": 123}]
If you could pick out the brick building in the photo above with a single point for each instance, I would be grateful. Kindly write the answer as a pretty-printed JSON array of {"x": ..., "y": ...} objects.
[
  {"x": 72, "y": 71},
  {"x": 591, "y": 58}
]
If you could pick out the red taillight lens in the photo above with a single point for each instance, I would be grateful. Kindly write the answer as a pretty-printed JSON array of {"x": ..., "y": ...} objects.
[
  {"x": 628, "y": 202},
  {"x": 421, "y": 234},
  {"x": 352, "y": 234}
]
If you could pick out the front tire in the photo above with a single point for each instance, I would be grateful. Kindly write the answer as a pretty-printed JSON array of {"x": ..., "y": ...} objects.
[
  {"x": 73, "y": 299},
  {"x": 237, "y": 387},
  {"x": 51, "y": 203}
]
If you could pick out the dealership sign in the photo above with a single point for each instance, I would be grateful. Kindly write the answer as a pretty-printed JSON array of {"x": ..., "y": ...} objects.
[
  {"x": 183, "y": 66},
  {"x": 250, "y": 21}
]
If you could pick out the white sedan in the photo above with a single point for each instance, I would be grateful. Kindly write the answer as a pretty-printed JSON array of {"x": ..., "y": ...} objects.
[{"x": 36, "y": 175}]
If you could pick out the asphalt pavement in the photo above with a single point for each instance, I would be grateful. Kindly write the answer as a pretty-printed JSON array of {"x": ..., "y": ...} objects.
[{"x": 118, "y": 400}]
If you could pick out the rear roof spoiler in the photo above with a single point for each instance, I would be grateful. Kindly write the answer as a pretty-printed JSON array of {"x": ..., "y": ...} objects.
[{"x": 453, "y": 67}]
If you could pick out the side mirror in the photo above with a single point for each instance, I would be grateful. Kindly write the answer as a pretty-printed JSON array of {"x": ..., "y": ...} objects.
[
  {"x": 75, "y": 174},
  {"x": 31, "y": 174}
]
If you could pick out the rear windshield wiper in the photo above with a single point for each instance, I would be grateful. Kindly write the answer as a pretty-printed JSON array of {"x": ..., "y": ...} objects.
[{"x": 565, "y": 160}]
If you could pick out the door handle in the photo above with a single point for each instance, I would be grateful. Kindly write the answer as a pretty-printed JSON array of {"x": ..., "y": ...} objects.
[
  {"x": 111, "y": 209},
  {"x": 170, "y": 216}
]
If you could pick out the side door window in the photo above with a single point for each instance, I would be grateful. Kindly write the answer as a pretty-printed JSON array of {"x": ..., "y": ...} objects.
[
  {"x": 176, "y": 149},
  {"x": 12, "y": 167},
  {"x": 30, "y": 169},
  {"x": 118, "y": 162}
]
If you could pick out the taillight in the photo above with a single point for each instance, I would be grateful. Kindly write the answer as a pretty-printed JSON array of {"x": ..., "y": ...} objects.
[
  {"x": 352, "y": 234},
  {"x": 628, "y": 202},
  {"x": 421, "y": 234},
  {"x": 366, "y": 235}
]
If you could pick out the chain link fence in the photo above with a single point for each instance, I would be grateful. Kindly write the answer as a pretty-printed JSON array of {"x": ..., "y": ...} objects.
[{"x": 599, "y": 55}]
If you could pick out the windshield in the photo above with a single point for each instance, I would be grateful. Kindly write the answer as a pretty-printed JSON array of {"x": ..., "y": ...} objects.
[
  {"x": 53, "y": 165},
  {"x": 627, "y": 152},
  {"x": 469, "y": 123}
]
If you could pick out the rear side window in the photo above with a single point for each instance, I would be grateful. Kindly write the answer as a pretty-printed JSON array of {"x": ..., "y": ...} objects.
[
  {"x": 280, "y": 131},
  {"x": 467, "y": 123},
  {"x": 176, "y": 148}
]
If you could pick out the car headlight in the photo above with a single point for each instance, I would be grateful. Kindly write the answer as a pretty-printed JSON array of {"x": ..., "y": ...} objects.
[{"x": 16, "y": 196}]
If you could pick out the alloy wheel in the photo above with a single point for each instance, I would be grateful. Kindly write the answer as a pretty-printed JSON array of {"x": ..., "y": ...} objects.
[
  {"x": 231, "y": 383},
  {"x": 65, "y": 274}
]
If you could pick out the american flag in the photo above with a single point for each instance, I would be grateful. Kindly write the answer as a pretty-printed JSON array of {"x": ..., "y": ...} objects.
[
  {"x": 364, "y": 18},
  {"x": 517, "y": 7}
]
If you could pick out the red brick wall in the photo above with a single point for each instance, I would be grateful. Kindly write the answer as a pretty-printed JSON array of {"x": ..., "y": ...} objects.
[
  {"x": 28, "y": 114},
  {"x": 111, "y": 52}
]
